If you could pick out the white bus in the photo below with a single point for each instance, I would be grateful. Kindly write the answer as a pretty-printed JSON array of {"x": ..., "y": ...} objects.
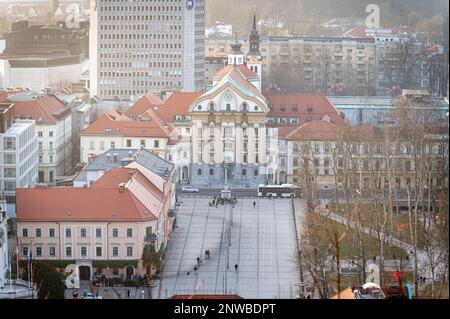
[{"x": 279, "y": 191}]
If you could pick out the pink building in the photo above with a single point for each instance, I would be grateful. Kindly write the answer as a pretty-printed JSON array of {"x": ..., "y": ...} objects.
[{"x": 114, "y": 219}]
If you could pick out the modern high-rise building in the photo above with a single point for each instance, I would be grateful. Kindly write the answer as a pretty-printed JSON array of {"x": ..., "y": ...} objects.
[{"x": 137, "y": 46}]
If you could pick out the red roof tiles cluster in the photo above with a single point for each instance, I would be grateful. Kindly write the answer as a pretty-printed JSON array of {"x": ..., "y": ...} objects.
[
  {"x": 117, "y": 124},
  {"x": 143, "y": 104},
  {"x": 177, "y": 104},
  {"x": 306, "y": 106},
  {"x": 43, "y": 109},
  {"x": 122, "y": 194}
]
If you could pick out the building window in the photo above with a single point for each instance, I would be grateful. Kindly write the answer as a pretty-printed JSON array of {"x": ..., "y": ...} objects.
[
  {"x": 129, "y": 232},
  {"x": 83, "y": 232},
  {"x": 98, "y": 232},
  {"x": 98, "y": 251},
  {"x": 68, "y": 233},
  {"x": 83, "y": 251},
  {"x": 156, "y": 143},
  {"x": 40, "y": 134},
  {"x": 113, "y": 145},
  {"x": 255, "y": 172},
  {"x": 25, "y": 232},
  {"x": 128, "y": 143},
  {"x": 115, "y": 232},
  {"x": 51, "y": 232},
  {"x": 129, "y": 251},
  {"x": 51, "y": 159},
  {"x": 211, "y": 171},
  {"x": 39, "y": 251},
  {"x": 244, "y": 172},
  {"x": 38, "y": 232},
  {"x": 115, "y": 251},
  {"x": 52, "y": 251},
  {"x": 91, "y": 145},
  {"x": 50, "y": 133},
  {"x": 102, "y": 145},
  {"x": 68, "y": 251},
  {"x": 199, "y": 172}
]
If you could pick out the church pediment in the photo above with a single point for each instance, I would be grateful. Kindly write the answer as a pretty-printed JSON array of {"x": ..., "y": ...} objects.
[{"x": 229, "y": 98}]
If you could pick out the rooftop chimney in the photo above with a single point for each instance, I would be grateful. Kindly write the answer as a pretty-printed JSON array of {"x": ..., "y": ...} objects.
[
  {"x": 121, "y": 187},
  {"x": 116, "y": 157}
]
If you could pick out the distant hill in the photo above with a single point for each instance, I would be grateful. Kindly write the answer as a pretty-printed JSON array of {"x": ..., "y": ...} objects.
[{"x": 393, "y": 12}]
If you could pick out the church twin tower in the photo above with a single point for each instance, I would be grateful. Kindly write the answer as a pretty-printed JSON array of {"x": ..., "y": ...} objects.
[{"x": 253, "y": 59}]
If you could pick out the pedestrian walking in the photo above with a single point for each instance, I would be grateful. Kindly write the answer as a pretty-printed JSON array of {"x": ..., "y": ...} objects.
[
  {"x": 198, "y": 260},
  {"x": 188, "y": 273},
  {"x": 254, "y": 204},
  {"x": 236, "y": 267},
  {"x": 195, "y": 269},
  {"x": 129, "y": 293}
]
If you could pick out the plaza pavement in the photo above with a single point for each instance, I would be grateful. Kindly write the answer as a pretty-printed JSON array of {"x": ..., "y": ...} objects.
[{"x": 263, "y": 244}]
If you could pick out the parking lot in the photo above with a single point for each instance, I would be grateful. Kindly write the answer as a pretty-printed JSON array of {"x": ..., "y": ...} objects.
[{"x": 261, "y": 241}]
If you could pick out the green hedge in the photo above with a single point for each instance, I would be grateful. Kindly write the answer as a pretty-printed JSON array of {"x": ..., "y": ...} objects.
[
  {"x": 102, "y": 264},
  {"x": 51, "y": 262}
]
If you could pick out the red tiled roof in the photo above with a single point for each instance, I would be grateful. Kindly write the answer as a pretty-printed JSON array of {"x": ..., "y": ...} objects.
[
  {"x": 246, "y": 72},
  {"x": 43, "y": 109},
  {"x": 122, "y": 125},
  {"x": 243, "y": 81},
  {"x": 143, "y": 104},
  {"x": 177, "y": 104},
  {"x": 137, "y": 184},
  {"x": 284, "y": 104},
  {"x": 114, "y": 177},
  {"x": 79, "y": 204},
  {"x": 325, "y": 130}
]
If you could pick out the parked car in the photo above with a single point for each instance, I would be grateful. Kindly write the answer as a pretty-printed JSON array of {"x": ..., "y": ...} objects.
[{"x": 189, "y": 189}]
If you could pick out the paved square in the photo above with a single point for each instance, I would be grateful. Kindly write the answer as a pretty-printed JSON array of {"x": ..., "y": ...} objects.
[{"x": 263, "y": 244}]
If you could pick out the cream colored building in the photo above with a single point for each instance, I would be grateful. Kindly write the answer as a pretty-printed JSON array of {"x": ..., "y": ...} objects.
[{"x": 116, "y": 130}]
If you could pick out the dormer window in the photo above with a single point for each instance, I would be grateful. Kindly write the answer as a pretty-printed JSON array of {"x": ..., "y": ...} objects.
[
  {"x": 256, "y": 108},
  {"x": 244, "y": 106},
  {"x": 199, "y": 107},
  {"x": 228, "y": 107},
  {"x": 211, "y": 106}
]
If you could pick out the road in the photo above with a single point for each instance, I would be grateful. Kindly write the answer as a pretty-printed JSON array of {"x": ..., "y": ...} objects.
[{"x": 261, "y": 241}]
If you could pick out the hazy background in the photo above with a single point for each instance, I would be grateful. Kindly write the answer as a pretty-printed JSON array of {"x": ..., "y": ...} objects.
[{"x": 307, "y": 15}]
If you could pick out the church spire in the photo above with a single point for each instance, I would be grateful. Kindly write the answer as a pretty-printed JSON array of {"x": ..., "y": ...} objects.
[
  {"x": 254, "y": 17},
  {"x": 254, "y": 37}
]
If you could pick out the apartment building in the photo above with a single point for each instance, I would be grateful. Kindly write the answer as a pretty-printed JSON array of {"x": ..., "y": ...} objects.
[
  {"x": 327, "y": 65},
  {"x": 18, "y": 152},
  {"x": 53, "y": 129},
  {"x": 146, "y": 45}
]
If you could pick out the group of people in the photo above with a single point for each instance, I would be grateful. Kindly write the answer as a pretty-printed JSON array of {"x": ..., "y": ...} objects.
[{"x": 218, "y": 200}]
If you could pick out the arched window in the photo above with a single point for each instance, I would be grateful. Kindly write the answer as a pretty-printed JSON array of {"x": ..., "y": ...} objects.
[
  {"x": 211, "y": 106},
  {"x": 256, "y": 108},
  {"x": 211, "y": 171},
  {"x": 255, "y": 172},
  {"x": 199, "y": 107},
  {"x": 244, "y": 106},
  {"x": 244, "y": 172},
  {"x": 228, "y": 107},
  {"x": 199, "y": 172}
]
